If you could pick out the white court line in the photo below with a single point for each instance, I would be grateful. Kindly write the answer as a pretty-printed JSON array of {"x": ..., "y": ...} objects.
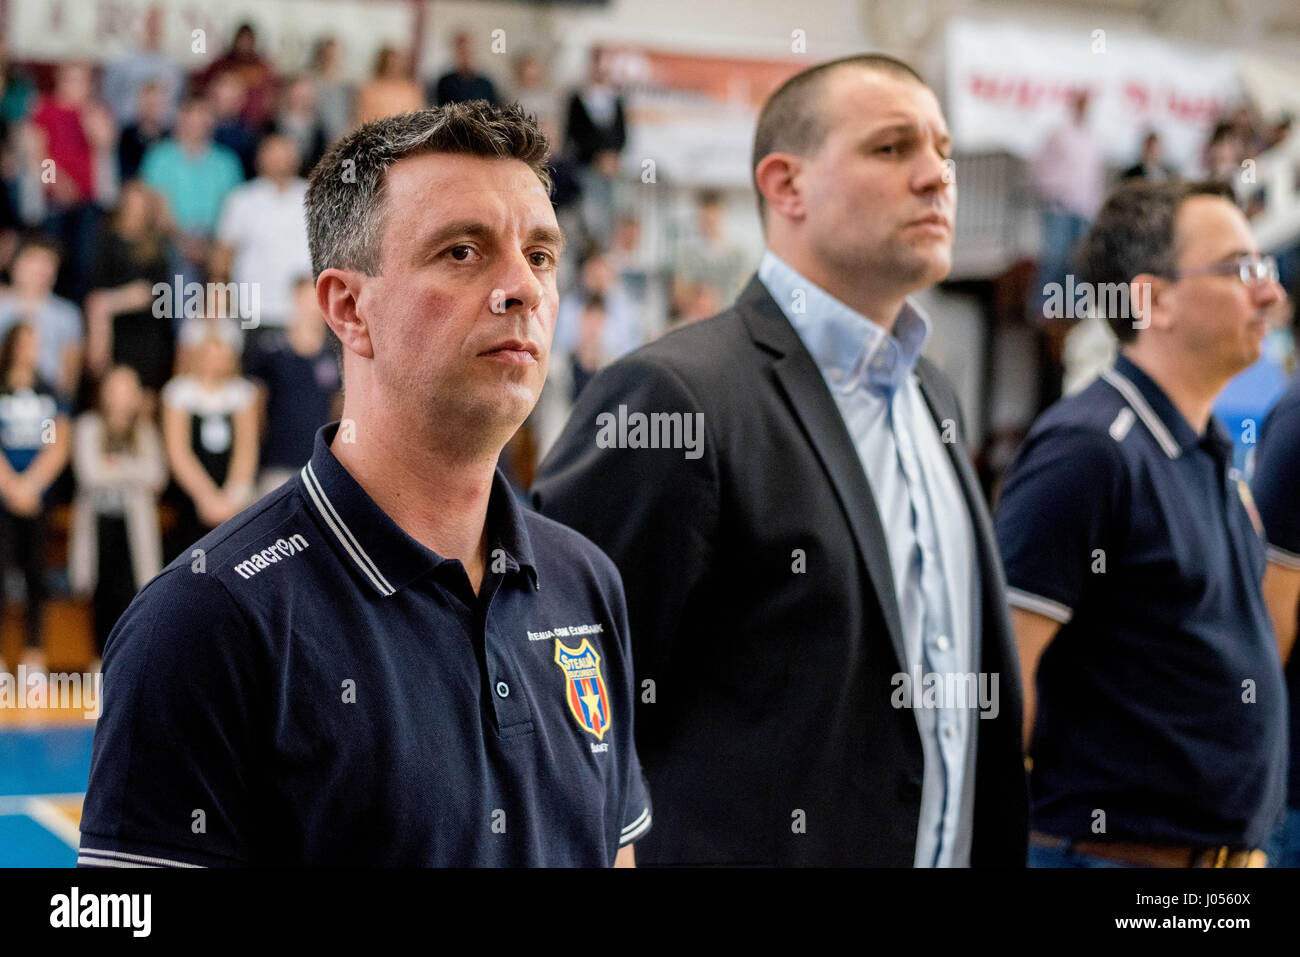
[{"x": 40, "y": 808}]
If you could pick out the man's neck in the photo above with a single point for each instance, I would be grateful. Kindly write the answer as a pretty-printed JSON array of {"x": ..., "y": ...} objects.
[
  {"x": 1188, "y": 385},
  {"x": 879, "y": 304},
  {"x": 437, "y": 495}
]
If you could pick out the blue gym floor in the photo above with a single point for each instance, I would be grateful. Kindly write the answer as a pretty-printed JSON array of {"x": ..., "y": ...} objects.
[{"x": 43, "y": 773}]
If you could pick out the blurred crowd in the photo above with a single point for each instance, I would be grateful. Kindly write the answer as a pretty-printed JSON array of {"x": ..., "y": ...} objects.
[{"x": 163, "y": 362}]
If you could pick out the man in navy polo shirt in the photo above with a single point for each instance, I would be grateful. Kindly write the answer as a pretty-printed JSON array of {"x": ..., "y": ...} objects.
[
  {"x": 1276, "y": 484},
  {"x": 387, "y": 661},
  {"x": 1134, "y": 559}
]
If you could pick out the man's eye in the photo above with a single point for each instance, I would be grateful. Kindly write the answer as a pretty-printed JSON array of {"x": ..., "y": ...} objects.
[
  {"x": 455, "y": 252},
  {"x": 546, "y": 259}
]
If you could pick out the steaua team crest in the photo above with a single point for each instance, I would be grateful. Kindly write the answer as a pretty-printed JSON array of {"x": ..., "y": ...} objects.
[{"x": 585, "y": 689}]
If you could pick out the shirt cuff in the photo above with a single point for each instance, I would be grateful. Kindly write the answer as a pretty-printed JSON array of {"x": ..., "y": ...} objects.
[
  {"x": 635, "y": 828},
  {"x": 1028, "y": 601},
  {"x": 1280, "y": 556}
]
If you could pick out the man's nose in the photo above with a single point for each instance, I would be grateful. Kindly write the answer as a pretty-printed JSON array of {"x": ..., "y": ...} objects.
[
  {"x": 1268, "y": 294},
  {"x": 519, "y": 288},
  {"x": 932, "y": 172}
]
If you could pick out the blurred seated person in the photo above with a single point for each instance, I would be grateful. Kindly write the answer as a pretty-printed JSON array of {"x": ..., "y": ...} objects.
[
  {"x": 114, "y": 544},
  {"x": 623, "y": 329},
  {"x": 299, "y": 379},
  {"x": 568, "y": 374},
  {"x": 710, "y": 256},
  {"x": 391, "y": 90},
  {"x": 34, "y": 444},
  {"x": 147, "y": 128},
  {"x": 298, "y": 120},
  {"x": 1150, "y": 164},
  {"x": 463, "y": 81},
  {"x": 31, "y": 299},
  {"x": 255, "y": 75},
  {"x": 122, "y": 327},
  {"x": 210, "y": 436},
  {"x": 194, "y": 175},
  {"x": 231, "y": 130}
]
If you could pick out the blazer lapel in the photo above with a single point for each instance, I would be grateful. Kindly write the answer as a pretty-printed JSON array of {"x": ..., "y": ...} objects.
[{"x": 811, "y": 400}]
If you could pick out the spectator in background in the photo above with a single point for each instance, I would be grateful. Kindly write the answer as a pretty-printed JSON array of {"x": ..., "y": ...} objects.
[
  {"x": 1224, "y": 153},
  {"x": 594, "y": 137},
  {"x": 31, "y": 299},
  {"x": 146, "y": 128},
  {"x": 194, "y": 175},
  {"x": 1276, "y": 486},
  {"x": 596, "y": 124},
  {"x": 255, "y": 75},
  {"x": 391, "y": 90},
  {"x": 568, "y": 374},
  {"x": 1150, "y": 164},
  {"x": 533, "y": 90},
  {"x": 300, "y": 384},
  {"x": 1068, "y": 173},
  {"x": 335, "y": 96},
  {"x": 463, "y": 82},
  {"x": 621, "y": 330},
  {"x": 122, "y": 327},
  {"x": 77, "y": 134},
  {"x": 262, "y": 237},
  {"x": 298, "y": 120},
  {"x": 228, "y": 95},
  {"x": 710, "y": 257},
  {"x": 126, "y": 77},
  {"x": 34, "y": 441},
  {"x": 114, "y": 544},
  {"x": 210, "y": 435},
  {"x": 639, "y": 275}
]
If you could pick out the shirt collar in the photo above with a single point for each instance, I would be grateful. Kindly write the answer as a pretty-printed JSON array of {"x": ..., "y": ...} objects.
[
  {"x": 850, "y": 349},
  {"x": 367, "y": 539},
  {"x": 1172, "y": 432}
]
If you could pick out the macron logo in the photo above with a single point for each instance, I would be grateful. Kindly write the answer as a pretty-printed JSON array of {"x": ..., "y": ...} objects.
[{"x": 281, "y": 548}]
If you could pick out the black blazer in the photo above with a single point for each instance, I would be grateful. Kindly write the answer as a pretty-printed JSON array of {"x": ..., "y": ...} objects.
[{"x": 764, "y": 719}]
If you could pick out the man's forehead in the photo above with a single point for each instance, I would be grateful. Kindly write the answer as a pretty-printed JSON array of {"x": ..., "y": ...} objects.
[
  {"x": 869, "y": 97},
  {"x": 1208, "y": 228},
  {"x": 439, "y": 187},
  {"x": 447, "y": 174}
]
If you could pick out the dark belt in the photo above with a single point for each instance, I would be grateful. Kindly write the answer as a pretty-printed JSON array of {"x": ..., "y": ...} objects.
[{"x": 1142, "y": 854}]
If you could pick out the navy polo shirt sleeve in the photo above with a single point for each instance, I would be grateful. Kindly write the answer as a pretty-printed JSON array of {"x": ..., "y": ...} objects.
[
  {"x": 636, "y": 806},
  {"x": 1055, "y": 517},
  {"x": 1276, "y": 482},
  {"x": 173, "y": 750}
]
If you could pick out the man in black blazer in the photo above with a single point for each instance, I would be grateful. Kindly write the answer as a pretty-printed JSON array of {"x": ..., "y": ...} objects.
[{"x": 825, "y": 668}]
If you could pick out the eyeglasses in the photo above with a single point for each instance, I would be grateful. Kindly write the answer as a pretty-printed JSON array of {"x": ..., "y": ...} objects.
[{"x": 1252, "y": 270}]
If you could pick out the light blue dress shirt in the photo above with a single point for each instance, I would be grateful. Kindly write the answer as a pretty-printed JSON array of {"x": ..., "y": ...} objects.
[{"x": 928, "y": 530}]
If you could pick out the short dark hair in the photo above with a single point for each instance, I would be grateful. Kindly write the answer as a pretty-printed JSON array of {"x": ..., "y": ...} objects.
[
  {"x": 794, "y": 120},
  {"x": 38, "y": 240},
  {"x": 1134, "y": 234},
  {"x": 346, "y": 207}
]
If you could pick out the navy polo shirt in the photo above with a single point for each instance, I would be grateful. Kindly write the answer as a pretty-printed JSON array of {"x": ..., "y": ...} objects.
[
  {"x": 308, "y": 686},
  {"x": 1276, "y": 481},
  {"x": 1160, "y": 701}
]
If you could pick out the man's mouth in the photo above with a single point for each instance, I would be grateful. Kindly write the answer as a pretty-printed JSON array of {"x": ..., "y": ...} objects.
[{"x": 513, "y": 351}]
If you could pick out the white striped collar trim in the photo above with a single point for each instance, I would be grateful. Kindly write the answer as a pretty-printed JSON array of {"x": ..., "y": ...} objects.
[
  {"x": 1280, "y": 556},
  {"x": 1037, "y": 603},
  {"x": 636, "y": 828},
  {"x": 316, "y": 492},
  {"x": 1147, "y": 414},
  {"x": 102, "y": 858}
]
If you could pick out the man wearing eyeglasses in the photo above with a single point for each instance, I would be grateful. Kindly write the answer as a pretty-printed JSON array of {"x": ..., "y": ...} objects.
[{"x": 1154, "y": 696}]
